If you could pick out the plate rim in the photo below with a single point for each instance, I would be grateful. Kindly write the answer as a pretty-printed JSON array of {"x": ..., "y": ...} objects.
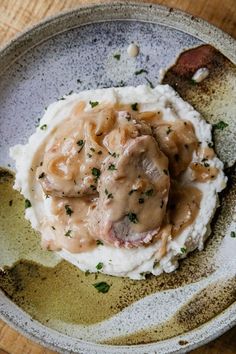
[{"x": 17, "y": 47}]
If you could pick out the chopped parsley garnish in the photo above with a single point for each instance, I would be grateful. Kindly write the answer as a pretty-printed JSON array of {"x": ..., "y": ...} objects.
[
  {"x": 10, "y": 202},
  {"x": 53, "y": 227},
  {"x": 134, "y": 106},
  {"x": 102, "y": 287},
  {"x": 87, "y": 272},
  {"x": 166, "y": 172},
  {"x": 68, "y": 233},
  {"x": 89, "y": 155},
  {"x": 132, "y": 217},
  {"x": 111, "y": 167},
  {"x": 150, "y": 83},
  {"x": 100, "y": 152},
  {"x": 99, "y": 243},
  {"x": 79, "y": 81},
  {"x": 81, "y": 144},
  {"x": 92, "y": 149},
  {"x": 220, "y": 125},
  {"x": 69, "y": 211},
  {"x": 121, "y": 83},
  {"x": 27, "y": 203},
  {"x": 149, "y": 192},
  {"x": 114, "y": 154},
  {"x": 169, "y": 130},
  {"x": 99, "y": 266},
  {"x": 93, "y": 103},
  {"x": 92, "y": 187},
  {"x": 116, "y": 56},
  {"x": 132, "y": 191},
  {"x": 141, "y": 71},
  {"x": 43, "y": 127},
  {"x": 141, "y": 200},
  {"x": 109, "y": 195},
  {"x": 96, "y": 172},
  {"x": 41, "y": 175},
  {"x": 183, "y": 250},
  {"x": 232, "y": 234},
  {"x": 70, "y": 93},
  {"x": 128, "y": 116}
]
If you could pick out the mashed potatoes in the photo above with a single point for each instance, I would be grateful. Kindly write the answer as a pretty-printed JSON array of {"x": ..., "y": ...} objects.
[{"x": 122, "y": 180}]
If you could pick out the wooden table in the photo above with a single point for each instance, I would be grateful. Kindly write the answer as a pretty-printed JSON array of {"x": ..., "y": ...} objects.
[{"x": 15, "y": 16}]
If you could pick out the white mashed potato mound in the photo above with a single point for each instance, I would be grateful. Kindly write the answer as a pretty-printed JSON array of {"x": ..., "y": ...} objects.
[{"x": 134, "y": 262}]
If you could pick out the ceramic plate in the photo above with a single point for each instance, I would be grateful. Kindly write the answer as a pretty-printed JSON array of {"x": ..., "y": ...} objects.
[{"x": 51, "y": 301}]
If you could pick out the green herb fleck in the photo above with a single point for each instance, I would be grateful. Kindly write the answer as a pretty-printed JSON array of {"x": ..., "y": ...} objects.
[
  {"x": 116, "y": 56},
  {"x": 183, "y": 250},
  {"x": 141, "y": 71},
  {"x": 206, "y": 164},
  {"x": 96, "y": 172},
  {"x": 100, "y": 152},
  {"x": 149, "y": 193},
  {"x": 102, "y": 287},
  {"x": 134, "y": 106},
  {"x": 53, "y": 227},
  {"x": 81, "y": 144},
  {"x": 132, "y": 217},
  {"x": 69, "y": 211},
  {"x": 109, "y": 195},
  {"x": 150, "y": 83},
  {"x": 42, "y": 175},
  {"x": 93, "y": 104},
  {"x": 43, "y": 127},
  {"x": 114, "y": 154},
  {"x": 10, "y": 202},
  {"x": 99, "y": 266},
  {"x": 111, "y": 167},
  {"x": 141, "y": 200},
  {"x": 89, "y": 155},
  {"x": 87, "y": 272},
  {"x": 27, "y": 203},
  {"x": 220, "y": 125},
  {"x": 68, "y": 233},
  {"x": 232, "y": 234},
  {"x": 92, "y": 149},
  {"x": 99, "y": 243},
  {"x": 210, "y": 145},
  {"x": 132, "y": 191},
  {"x": 169, "y": 130}
]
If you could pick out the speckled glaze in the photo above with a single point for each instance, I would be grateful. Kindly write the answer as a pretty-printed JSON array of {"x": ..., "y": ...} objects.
[{"x": 74, "y": 51}]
